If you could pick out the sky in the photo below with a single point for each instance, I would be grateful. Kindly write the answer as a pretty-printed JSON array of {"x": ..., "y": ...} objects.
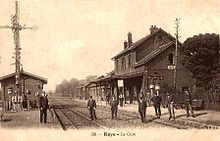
[{"x": 78, "y": 38}]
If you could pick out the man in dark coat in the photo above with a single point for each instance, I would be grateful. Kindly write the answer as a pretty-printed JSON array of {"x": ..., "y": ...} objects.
[
  {"x": 107, "y": 97},
  {"x": 189, "y": 104},
  {"x": 121, "y": 99},
  {"x": 91, "y": 104},
  {"x": 170, "y": 105},
  {"x": 114, "y": 107},
  {"x": 157, "y": 102},
  {"x": 142, "y": 105},
  {"x": 43, "y": 105}
]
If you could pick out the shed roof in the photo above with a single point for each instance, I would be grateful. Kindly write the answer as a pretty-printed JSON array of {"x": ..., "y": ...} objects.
[{"x": 44, "y": 80}]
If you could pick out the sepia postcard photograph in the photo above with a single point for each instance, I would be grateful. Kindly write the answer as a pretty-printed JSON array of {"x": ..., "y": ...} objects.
[{"x": 109, "y": 70}]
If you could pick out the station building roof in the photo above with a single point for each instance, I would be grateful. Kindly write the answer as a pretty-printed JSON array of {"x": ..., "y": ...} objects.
[{"x": 44, "y": 80}]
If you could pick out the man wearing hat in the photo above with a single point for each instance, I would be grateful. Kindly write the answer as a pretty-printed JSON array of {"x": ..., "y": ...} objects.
[
  {"x": 114, "y": 107},
  {"x": 91, "y": 104},
  {"x": 170, "y": 105},
  {"x": 43, "y": 105},
  {"x": 157, "y": 102},
  {"x": 189, "y": 104},
  {"x": 142, "y": 105}
]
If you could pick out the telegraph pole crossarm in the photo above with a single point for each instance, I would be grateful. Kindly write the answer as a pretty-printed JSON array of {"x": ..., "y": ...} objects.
[{"x": 5, "y": 26}]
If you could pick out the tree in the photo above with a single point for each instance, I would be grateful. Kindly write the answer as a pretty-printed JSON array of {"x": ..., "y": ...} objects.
[
  {"x": 62, "y": 88},
  {"x": 200, "y": 56},
  {"x": 74, "y": 83},
  {"x": 67, "y": 88},
  {"x": 50, "y": 93},
  {"x": 58, "y": 89}
]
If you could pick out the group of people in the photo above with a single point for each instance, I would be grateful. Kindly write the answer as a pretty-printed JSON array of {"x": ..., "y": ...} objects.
[
  {"x": 91, "y": 105},
  {"x": 120, "y": 97},
  {"x": 170, "y": 102},
  {"x": 142, "y": 105}
]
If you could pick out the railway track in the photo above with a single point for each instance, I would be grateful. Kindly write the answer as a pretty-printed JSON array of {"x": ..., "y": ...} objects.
[
  {"x": 72, "y": 119},
  {"x": 178, "y": 123},
  {"x": 64, "y": 121}
]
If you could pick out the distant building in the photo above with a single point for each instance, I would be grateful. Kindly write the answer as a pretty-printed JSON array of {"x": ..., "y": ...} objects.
[
  {"x": 82, "y": 91},
  {"x": 144, "y": 64},
  {"x": 90, "y": 88},
  {"x": 31, "y": 87}
]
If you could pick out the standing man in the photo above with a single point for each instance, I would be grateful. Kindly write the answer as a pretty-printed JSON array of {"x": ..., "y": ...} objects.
[
  {"x": 170, "y": 105},
  {"x": 91, "y": 104},
  {"x": 142, "y": 105},
  {"x": 43, "y": 105},
  {"x": 157, "y": 102},
  {"x": 148, "y": 98},
  {"x": 114, "y": 107},
  {"x": 189, "y": 104},
  {"x": 107, "y": 97},
  {"x": 121, "y": 99}
]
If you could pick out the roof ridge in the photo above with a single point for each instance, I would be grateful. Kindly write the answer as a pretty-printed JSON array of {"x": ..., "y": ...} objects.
[
  {"x": 35, "y": 75},
  {"x": 26, "y": 73},
  {"x": 138, "y": 42}
]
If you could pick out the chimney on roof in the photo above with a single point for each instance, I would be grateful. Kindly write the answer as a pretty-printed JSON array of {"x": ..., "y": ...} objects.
[
  {"x": 129, "y": 39},
  {"x": 153, "y": 29},
  {"x": 125, "y": 44}
]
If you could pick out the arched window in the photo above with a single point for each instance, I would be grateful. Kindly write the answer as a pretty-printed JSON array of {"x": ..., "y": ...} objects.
[{"x": 171, "y": 58}]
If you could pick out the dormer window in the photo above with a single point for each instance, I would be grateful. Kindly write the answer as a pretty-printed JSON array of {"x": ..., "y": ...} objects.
[{"x": 171, "y": 58}]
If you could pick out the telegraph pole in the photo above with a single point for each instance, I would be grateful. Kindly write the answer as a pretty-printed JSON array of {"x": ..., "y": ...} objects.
[
  {"x": 16, "y": 27},
  {"x": 177, "y": 21}
]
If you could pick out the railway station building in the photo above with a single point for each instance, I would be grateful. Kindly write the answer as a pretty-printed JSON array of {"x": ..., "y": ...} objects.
[
  {"x": 102, "y": 86},
  {"x": 82, "y": 91},
  {"x": 31, "y": 86},
  {"x": 147, "y": 64}
]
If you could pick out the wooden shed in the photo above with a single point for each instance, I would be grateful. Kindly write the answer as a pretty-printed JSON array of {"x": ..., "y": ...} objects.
[{"x": 31, "y": 86}]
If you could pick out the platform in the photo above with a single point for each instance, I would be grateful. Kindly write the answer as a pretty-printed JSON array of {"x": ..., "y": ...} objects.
[
  {"x": 27, "y": 119},
  {"x": 202, "y": 116}
]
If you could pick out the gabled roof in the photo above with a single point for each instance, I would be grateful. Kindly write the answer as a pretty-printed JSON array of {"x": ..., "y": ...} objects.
[
  {"x": 153, "y": 54},
  {"x": 44, "y": 80},
  {"x": 137, "y": 43}
]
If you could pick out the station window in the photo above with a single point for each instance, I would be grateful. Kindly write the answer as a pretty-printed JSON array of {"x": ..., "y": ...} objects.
[
  {"x": 129, "y": 60},
  {"x": 116, "y": 65},
  {"x": 171, "y": 58},
  {"x": 123, "y": 65}
]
